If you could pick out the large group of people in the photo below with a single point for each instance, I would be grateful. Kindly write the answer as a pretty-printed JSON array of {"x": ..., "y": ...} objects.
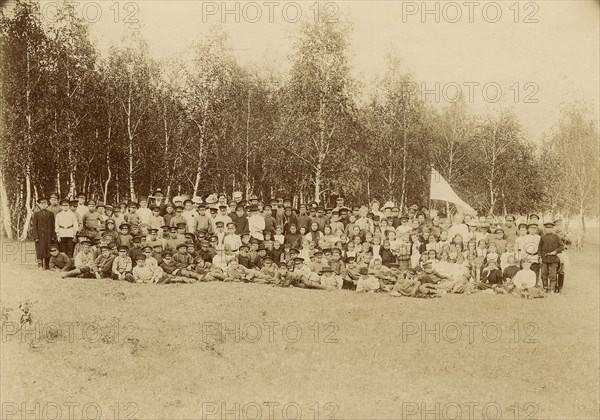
[{"x": 413, "y": 251}]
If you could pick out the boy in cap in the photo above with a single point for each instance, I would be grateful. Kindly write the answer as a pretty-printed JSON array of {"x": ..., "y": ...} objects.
[
  {"x": 429, "y": 275},
  {"x": 330, "y": 279},
  {"x": 269, "y": 268},
  {"x": 321, "y": 218},
  {"x": 221, "y": 216},
  {"x": 524, "y": 281},
  {"x": 335, "y": 223},
  {"x": 59, "y": 261},
  {"x": 82, "y": 209},
  {"x": 174, "y": 240},
  {"x": 219, "y": 235},
  {"x": 256, "y": 223},
  {"x": 206, "y": 251},
  {"x": 270, "y": 221},
  {"x": 92, "y": 223},
  {"x": 203, "y": 221},
  {"x": 169, "y": 213},
  {"x": 122, "y": 265},
  {"x": 152, "y": 238},
  {"x": 43, "y": 233},
  {"x": 207, "y": 271},
  {"x": 102, "y": 216},
  {"x": 104, "y": 262},
  {"x": 511, "y": 268},
  {"x": 178, "y": 217},
  {"x": 54, "y": 207},
  {"x": 119, "y": 214},
  {"x": 125, "y": 237},
  {"x": 146, "y": 273},
  {"x": 366, "y": 282},
  {"x": 73, "y": 208},
  {"x": 336, "y": 263},
  {"x": 66, "y": 227},
  {"x": 491, "y": 276},
  {"x": 136, "y": 248},
  {"x": 317, "y": 262},
  {"x": 84, "y": 262},
  {"x": 238, "y": 217},
  {"x": 159, "y": 200},
  {"x": 150, "y": 260},
  {"x": 184, "y": 264},
  {"x": 534, "y": 219},
  {"x": 237, "y": 272},
  {"x": 302, "y": 276},
  {"x": 143, "y": 211},
  {"x": 190, "y": 216},
  {"x": 157, "y": 251},
  {"x": 303, "y": 220},
  {"x": 223, "y": 258},
  {"x": 549, "y": 246},
  {"x": 232, "y": 238},
  {"x": 243, "y": 257},
  {"x": 156, "y": 220},
  {"x": 408, "y": 285},
  {"x": 497, "y": 237},
  {"x": 131, "y": 216},
  {"x": 530, "y": 245},
  {"x": 510, "y": 228}
]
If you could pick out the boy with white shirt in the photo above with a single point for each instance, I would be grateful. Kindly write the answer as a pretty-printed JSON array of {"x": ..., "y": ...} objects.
[
  {"x": 256, "y": 223},
  {"x": 66, "y": 227},
  {"x": 231, "y": 238},
  {"x": 144, "y": 212},
  {"x": 190, "y": 215}
]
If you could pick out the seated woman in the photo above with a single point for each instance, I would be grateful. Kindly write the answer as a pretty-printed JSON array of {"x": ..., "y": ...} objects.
[
  {"x": 381, "y": 272},
  {"x": 408, "y": 285},
  {"x": 524, "y": 282}
]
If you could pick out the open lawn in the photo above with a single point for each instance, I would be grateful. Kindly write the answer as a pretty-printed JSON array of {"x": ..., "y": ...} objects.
[{"x": 107, "y": 349}]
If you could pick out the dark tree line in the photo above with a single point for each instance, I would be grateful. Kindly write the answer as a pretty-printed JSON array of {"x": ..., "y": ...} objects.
[{"x": 116, "y": 127}]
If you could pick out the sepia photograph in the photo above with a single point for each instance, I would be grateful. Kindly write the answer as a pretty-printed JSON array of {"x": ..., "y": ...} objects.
[{"x": 310, "y": 209}]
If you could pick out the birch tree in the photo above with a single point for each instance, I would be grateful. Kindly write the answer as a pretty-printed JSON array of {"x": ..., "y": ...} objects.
[
  {"x": 201, "y": 81},
  {"x": 319, "y": 118},
  {"x": 133, "y": 75},
  {"x": 570, "y": 162},
  {"x": 24, "y": 47},
  {"x": 496, "y": 137},
  {"x": 398, "y": 123}
]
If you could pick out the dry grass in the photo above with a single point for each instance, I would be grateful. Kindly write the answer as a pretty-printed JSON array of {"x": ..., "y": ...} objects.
[{"x": 171, "y": 359}]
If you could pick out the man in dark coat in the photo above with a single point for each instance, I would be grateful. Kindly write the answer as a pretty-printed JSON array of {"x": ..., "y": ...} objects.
[
  {"x": 550, "y": 245},
  {"x": 43, "y": 233}
]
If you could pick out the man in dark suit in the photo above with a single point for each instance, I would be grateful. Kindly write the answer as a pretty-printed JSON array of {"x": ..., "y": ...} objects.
[
  {"x": 43, "y": 233},
  {"x": 550, "y": 245}
]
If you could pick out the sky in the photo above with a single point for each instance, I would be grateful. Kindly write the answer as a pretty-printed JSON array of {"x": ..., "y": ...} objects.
[{"x": 529, "y": 56}]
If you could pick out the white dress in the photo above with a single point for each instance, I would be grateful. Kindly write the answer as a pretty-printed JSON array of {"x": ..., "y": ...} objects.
[{"x": 524, "y": 279}]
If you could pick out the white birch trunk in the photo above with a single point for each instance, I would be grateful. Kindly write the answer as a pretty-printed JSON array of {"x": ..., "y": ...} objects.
[
  {"x": 5, "y": 209},
  {"x": 28, "y": 204}
]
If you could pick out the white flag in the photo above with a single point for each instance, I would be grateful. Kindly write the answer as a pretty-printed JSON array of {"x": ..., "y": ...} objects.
[{"x": 441, "y": 190}]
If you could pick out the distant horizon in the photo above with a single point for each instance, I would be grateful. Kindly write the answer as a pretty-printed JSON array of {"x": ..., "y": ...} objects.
[{"x": 527, "y": 62}]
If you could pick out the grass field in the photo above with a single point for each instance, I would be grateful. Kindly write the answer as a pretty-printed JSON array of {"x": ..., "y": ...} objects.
[{"x": 106, "y": 349}]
